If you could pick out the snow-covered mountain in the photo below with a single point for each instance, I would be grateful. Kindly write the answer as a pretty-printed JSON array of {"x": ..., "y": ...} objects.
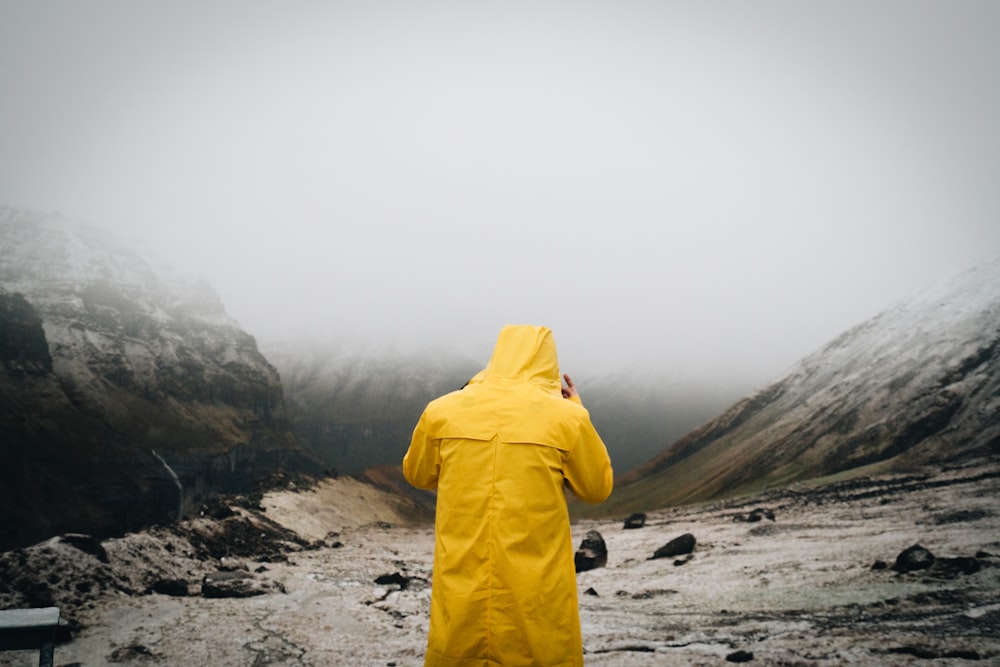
[
  {"x": 917, "y": 384},
  {"x": 125, "y": 393}
]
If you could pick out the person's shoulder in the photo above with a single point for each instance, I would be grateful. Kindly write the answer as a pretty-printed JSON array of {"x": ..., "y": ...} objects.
[
  {"x": 446, "y": 399},
  {"x": 570, "y": 408}
]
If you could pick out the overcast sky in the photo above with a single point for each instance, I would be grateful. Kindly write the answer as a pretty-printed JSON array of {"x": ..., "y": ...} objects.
[{"x": 700, "y": 185}]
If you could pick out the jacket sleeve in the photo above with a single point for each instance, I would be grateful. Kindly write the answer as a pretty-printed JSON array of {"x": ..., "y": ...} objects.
[
  {"x": 588, "y": 467},
  {"x": 422, "y": 462}
]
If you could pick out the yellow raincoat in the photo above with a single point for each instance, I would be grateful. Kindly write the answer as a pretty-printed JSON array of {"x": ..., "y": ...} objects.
[{"x": 499, "y": 452}]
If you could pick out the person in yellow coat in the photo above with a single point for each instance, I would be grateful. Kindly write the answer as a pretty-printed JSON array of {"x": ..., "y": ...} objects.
[{"x": 501, "y": 452}]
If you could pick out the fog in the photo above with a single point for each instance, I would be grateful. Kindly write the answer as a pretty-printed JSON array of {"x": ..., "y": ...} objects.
[{"x": 703, "y": 187}]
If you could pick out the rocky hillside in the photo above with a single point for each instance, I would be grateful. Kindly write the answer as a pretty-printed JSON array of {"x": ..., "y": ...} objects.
[
  {"x": 919, "y": 383},
  {"x": 355, "y": 405},
  {"x": 125, "y": 396}
]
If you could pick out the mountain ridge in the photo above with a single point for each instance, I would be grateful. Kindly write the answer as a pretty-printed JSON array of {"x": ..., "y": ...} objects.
[
  {"x": 356, "y": 405},
  {"x": 918, "y": 383},
  {"x": 118, "y": 383}
]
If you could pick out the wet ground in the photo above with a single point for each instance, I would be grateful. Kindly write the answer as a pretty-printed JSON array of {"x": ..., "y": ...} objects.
[{"x": 334, "y": 576}]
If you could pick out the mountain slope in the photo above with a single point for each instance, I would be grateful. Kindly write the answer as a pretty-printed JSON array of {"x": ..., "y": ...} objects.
[
  {"x": 918, "y": 383},
  {"x": 636, "y": 411},
  {"x": 125, "y": 396},
  {"x": 355, "y": 405}
]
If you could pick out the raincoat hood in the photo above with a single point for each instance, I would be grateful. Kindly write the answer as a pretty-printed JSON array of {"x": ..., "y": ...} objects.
[{"x": 525, "y": 353}]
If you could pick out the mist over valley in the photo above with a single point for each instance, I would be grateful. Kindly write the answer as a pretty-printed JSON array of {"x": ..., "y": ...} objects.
[
  {"x": 102, "y": 347},
  {"x": 145, "y": 430},
  {"x": 356, "y": 405}
]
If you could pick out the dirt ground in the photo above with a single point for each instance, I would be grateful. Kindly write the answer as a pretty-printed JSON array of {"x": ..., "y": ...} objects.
[{"x": 337, "y": 577}]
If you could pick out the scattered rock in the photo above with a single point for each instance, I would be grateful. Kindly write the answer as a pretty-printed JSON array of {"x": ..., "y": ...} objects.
[
  {"x": 394, "y": 579},
  {"x": 913, "y": 558},
  {"x": 740, "y": 656},
  {"x": 130, "y": 653},
  {"x": 907, "y": 617},
  {"x": 952, "y": 567},
  {"x": 918, "y": 558},
  {"x": 649, "y": 595},
  {"x": 232, "y": 565},
  {"x": 678, "y": 546},
  {"x": 237, "y": 585},
  {"x": 173, "y": 587},
  {"x": 756, "y": 515},
  {"x": 593, "y": 553},
  {"x": 763, "y": 530},
  {"x": 962, "y": 654},
  {"x": 637, "y": 520}
]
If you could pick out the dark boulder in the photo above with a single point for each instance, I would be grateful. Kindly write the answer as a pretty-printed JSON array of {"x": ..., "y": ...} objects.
[
  {"x": 913, "y": 558},
  {"x": 740, "y": 656},
  {"x": 952, "y": 567},
  {"x": 593, "y": 553},
  {"x": 637, "y": 520},
  {"x": 755, "y": 515},
  {"x": 177, "y": 588},
  {"x": 394, "y": 579},
  {"x": 679, "y": 546}
]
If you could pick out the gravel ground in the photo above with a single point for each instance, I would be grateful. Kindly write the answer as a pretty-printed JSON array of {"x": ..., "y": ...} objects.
[{"x": 334, "y": 575}]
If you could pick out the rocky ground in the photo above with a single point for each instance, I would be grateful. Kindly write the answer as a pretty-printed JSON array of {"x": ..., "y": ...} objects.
[{"x": 331, "y": 574}]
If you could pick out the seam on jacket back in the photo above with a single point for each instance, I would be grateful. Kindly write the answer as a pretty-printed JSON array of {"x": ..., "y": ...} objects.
[{"x": 491, "y": 649}]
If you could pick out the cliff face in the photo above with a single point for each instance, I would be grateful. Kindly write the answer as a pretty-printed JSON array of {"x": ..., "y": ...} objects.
[
  {"x": 125, "y": 396},
  {"x": 23, "y": 347}
]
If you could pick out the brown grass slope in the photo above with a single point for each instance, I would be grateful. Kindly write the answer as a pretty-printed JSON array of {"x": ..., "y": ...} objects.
[{"x": 917, "y": 384}]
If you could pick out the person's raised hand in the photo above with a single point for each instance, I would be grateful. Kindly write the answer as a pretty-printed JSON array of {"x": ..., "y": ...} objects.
[{"x": 570, "y": 388}]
